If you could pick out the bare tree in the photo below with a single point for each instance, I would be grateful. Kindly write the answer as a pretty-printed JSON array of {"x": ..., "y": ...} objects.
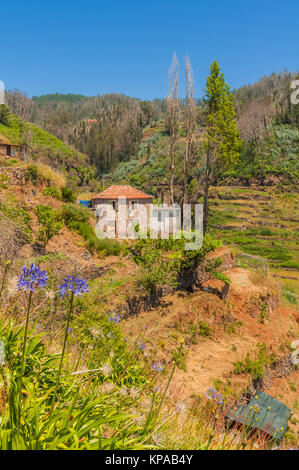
[
  {"x": 190, "y": 122},
  {"x": 173, "y": 109}
]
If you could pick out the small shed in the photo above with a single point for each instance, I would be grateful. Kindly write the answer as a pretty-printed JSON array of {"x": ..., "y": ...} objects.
[
  {"x": 7, "y": 149},
  {"x": 265, "y": 413}
]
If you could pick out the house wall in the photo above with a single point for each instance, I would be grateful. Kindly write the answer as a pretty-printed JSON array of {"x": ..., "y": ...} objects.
[
  {"x": 131, "y": 215},
  {"x": 4, "y": 150}
]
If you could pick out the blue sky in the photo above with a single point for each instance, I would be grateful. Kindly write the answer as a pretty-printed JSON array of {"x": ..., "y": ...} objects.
[{"x": 92, "y": 47}]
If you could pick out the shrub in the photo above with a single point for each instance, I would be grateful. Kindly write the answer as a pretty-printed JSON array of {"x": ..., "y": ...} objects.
[
  {"x": 76, "y": 218},
  {"x": 52, "y": 192},
  {"x": 32, "y": 172},
  {"x": 256, "y": 367},
  {"x": 49, "y": 224},
  {"x": 67, "y": 194}
]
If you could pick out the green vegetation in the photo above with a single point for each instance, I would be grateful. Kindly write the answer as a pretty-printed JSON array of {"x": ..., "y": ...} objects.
[
  {"x": 256, "y": 367},
  {"x": 77, "y": 219},
  {"x": 223, "y": 144},
  {"x": 49, "y": 224},
  {"x": 52, "y": 192}
]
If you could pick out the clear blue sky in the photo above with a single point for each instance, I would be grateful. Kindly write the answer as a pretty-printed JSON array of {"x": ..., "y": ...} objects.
[{"x": 126, "y": 46}]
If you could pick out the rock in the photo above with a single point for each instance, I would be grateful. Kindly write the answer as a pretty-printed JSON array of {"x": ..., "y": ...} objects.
[{"x": 216, "y": 287}]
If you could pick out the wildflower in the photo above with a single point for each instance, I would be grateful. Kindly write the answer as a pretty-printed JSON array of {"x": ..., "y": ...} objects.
[
  {"x": 96, "y": 332},
  {"x": 156, "y": 389},
  {"x": 106, "y": 369},
  {"x": 123, "y": 391},
  {"x": 73, "y": 284},
  {"x": 256, "y": 408},
  {"x": 32, "y": 278},
  {"x": 212, "y": 394},
  {"x": 109, "y": 335},
  {"x": 139, "y": 418},
  {"x": 134, "y": 392},
  {"x": 181, "y": 408},
  {"x": 114, "y": 318},
  {"x": 141, "y": 346},
  {"x": 157, "y": 367},
  {"x": 107, "y": 388}
]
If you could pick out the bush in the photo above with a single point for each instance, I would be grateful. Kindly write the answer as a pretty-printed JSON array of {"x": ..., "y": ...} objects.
[
  {"x": 76, "y": 218},
  {"x": 52, "y": 192},
  {"x": 67, "y": 195},
  {"x": 49, "y": 224},
  {"x": 32, "y": 173}
]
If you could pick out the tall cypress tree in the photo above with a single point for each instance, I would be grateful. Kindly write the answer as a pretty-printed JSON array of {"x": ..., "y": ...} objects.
[{"x": 222, "y": 143}]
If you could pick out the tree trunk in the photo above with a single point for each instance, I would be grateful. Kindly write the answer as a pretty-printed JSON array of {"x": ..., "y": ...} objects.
[{"x": 206, "y": 194}]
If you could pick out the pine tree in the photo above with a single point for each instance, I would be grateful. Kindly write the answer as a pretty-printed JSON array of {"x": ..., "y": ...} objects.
[{"x": 222, "y": 143}]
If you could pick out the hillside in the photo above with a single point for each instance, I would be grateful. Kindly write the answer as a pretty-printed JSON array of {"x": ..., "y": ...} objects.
[
  {"x": 161, "y": 342},
  {"x": 41, "y": 146},
  {"x": 130, "y": 324}
]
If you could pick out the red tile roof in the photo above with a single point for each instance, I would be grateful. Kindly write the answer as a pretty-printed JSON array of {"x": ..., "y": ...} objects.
[{"x": 115, "y": 191}]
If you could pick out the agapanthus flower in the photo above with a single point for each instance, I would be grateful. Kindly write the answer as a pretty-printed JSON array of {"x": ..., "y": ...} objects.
[
  {"x": 106, "y": 370},
  {"x": 181, "y": 408},
  {"x": 141, "y": 346},
  {"x": 212, "y": 394},
  {"x": 114, "y": 318},
  {"x": 73, "y": 284},
  {"x": 157, "y": 367},
  {"x": 32, "y": 278}
]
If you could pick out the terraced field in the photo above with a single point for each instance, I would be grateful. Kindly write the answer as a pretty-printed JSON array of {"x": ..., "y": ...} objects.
[{"x": 260, "y": 222}]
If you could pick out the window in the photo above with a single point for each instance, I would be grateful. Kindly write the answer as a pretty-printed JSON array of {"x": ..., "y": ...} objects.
[{"x": 134, "y": 204}]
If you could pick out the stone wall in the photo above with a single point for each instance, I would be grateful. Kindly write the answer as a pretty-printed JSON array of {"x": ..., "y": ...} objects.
[{"x": 12, "y": 175}]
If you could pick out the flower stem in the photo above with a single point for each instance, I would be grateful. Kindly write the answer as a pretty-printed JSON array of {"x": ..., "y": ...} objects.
[
  {"x": 168, "y": 383},
  {"x": 63, "y": 351},
  {"x": 4, "y": 277},
  {"x": 23, "y": 359}
]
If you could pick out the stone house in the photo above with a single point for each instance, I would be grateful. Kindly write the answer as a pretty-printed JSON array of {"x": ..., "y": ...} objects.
[
  {"x": 7, "y": 149},
  {"x": 127, "y": 205}
]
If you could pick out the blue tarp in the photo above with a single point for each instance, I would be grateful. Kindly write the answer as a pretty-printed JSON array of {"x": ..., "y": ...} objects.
[{"x": 85, "y": 203}]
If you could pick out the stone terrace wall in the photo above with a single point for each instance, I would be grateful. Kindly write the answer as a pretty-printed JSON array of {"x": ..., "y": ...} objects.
[{"x": 13, "y": 175}]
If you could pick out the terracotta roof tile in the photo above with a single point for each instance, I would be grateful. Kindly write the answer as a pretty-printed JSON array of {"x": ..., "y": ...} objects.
[{"x": 115, "y": 191}]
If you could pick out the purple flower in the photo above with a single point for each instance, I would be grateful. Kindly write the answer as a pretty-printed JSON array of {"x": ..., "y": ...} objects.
[
  {"x": 156, "y": 389},
  {"x": 141, "y": 346},
  {"x": 73, "y": 284},
  {"x": 114, "y": 318},
  {"x": 212, "y": 394},
  {"x": 157, "y": 367},
  {"x": 32, "y": 278}
]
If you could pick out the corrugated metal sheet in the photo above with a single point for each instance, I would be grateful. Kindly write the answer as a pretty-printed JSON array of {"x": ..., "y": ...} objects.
[{"x": 265, "y": 413}]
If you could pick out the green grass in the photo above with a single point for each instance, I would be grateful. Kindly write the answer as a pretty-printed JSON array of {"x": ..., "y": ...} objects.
[{"x": 41, "y": 142}]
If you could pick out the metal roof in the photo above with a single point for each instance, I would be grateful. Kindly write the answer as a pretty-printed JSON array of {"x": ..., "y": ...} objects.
[{"x": 265, "y": 413}]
